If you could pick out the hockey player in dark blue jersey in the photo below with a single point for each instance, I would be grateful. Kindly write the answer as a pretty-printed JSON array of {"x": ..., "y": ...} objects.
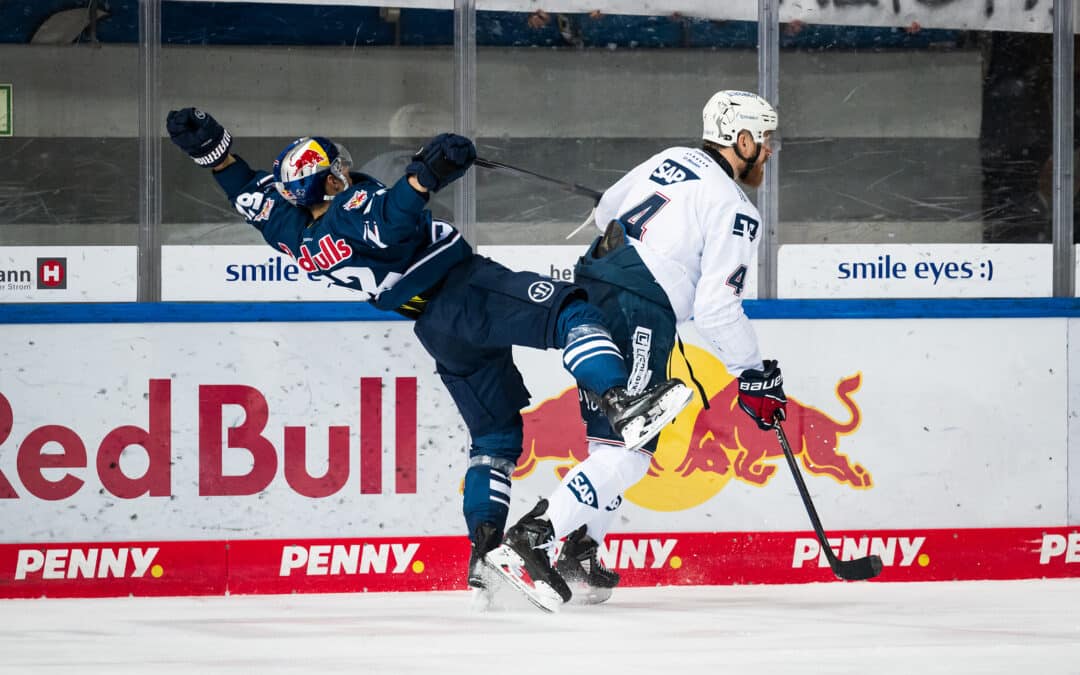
[{"x": 383, "y": 244}]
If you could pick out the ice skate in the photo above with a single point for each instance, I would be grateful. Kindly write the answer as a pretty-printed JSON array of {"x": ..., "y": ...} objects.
[
  {"x": 481, "y": 579},
  {"x": 524, "y": 561},
  {"x": 640, "y": 417},
  {"x": 579, "y": 564}
]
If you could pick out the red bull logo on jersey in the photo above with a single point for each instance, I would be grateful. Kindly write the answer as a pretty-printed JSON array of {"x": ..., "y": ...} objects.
[
  {"x": 704, "y": 449},
  {"x": 356, "y": 201},
  {"x": 331, "y": 252}
]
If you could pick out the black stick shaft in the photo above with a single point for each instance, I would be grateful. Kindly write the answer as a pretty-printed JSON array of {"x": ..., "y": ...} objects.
[
  {"x": 519, "y": 172},
  {"x": 860, "y": 568},
  {"x": 796, "y": 473}
]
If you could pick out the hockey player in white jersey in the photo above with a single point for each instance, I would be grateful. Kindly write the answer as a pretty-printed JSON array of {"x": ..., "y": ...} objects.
[{"x": 678, "y": 238}]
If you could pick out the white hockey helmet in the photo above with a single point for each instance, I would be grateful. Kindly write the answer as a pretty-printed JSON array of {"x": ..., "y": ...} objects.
[{"x": 730, "y": 111}]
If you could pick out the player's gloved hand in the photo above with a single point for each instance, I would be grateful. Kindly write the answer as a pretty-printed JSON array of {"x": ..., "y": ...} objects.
[
  {"x": 199, "y": 135},
  {"x": 442, "y": 161},
  {"x": 761, "y": 395}
]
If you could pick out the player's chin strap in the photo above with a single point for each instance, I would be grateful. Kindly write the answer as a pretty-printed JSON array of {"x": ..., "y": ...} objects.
[
  {"x": 750, "y": 162},
  {"x": 690, "y": 370}
]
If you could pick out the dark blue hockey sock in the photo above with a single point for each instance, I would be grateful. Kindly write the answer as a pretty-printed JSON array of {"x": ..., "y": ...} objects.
[
  {"x": 589, "y": 353},
  {"x": 492, "y": 458}
]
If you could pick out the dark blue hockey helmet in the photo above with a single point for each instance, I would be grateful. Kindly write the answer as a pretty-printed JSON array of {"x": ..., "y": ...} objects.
[{"x": 301, "y": 169}]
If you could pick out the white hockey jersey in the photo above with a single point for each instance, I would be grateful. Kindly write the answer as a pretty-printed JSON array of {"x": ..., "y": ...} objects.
[{"x": 696, "y": 231}]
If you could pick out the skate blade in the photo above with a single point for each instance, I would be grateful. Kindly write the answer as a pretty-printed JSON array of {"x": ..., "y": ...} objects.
[
  {"x": 637, "y": 433},
  {"x": 589, "y": 595},
  {"x": 509, "y": 567}
]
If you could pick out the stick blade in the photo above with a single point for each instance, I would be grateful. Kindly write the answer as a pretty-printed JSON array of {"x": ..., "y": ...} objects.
[{"x": 859, "y": 569}]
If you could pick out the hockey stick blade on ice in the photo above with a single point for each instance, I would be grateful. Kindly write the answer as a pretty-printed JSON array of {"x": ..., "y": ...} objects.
[
  {"x": 849, "y": 570},
  {"x": 525, "y": 173}
]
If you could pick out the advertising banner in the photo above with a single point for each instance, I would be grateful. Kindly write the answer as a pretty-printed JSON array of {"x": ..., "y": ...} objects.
[
  {"x": 247, "y": 567},
  {"x": 68, "y": 274},
  {"x": 271, "y": 430},
  {"x": 915, "y": 271},
  {"x": 240, "y": 273}
]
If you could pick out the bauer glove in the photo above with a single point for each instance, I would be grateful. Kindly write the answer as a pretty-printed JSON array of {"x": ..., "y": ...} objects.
[
  {"x": 761, "y": 395},
  {"x": 199, "y": 135},
  {"x": 442, "y": 161}
]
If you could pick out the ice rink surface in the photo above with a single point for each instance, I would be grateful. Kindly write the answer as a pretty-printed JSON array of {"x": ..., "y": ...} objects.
[{"x": 1028, "y": 627}]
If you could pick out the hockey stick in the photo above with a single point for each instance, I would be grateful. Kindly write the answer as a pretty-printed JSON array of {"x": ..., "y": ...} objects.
[
  {"x": 519, "y": 172},
  {"x": 849, "y": 570}
]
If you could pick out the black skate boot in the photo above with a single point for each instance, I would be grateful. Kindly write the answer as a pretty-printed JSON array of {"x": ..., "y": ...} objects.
[
  {"x": 524, "y": 560},
  {"x": 481, "y": 579},
  {"x": 579, "y": 564},
  {"x": 487, "y": 538},
  {"x": 638, "y": 418}
]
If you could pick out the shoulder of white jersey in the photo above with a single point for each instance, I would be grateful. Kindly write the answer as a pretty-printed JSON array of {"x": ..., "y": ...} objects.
[{"x": 729, "y": 187}]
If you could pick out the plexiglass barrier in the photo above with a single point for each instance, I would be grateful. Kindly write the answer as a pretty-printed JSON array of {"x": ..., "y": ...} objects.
[{"x": 916, "y": 135}]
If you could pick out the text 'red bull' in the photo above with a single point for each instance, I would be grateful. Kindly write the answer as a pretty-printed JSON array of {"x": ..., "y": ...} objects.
[{"x": 36, "y": 460}]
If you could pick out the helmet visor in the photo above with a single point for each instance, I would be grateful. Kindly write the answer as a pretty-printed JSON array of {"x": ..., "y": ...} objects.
[{"x": 772, "y": 140}]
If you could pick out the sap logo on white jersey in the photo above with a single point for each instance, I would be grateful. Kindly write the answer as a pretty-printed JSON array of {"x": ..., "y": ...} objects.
[
  {"x": 849, "y": 548},
  {"x": 324, "y": 559},
  {"x": 78, "y": 563},
  {"x": 636, "y": 553},
  {"x": 1054, "y": 545},
  {"x": 671, "y": 172}
]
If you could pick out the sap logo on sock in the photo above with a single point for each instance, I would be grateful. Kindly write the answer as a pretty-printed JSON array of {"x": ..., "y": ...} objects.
[
  {"x": 583, "y": 490},
  {"x": 90, "y": 563},
  {"x": 671, "y": 172},
  {"x": 326, "y": 559}
]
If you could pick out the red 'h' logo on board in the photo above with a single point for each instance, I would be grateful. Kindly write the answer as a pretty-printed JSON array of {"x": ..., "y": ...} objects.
[{"x": 51, "y": 273}]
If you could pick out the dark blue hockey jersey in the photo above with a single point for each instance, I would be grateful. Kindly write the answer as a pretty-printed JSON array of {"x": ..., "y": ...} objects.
[{"x": 381, "y": 242}]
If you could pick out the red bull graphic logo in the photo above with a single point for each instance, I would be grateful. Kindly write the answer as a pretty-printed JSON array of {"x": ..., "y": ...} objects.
[
  {"x": 703, "y": 449},
  {"x": 356, "y": 201},
  {"x": 310, "y": 157}
]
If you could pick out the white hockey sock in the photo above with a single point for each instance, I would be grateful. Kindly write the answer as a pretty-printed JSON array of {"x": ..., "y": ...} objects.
[{"x": 593, "y": 487}]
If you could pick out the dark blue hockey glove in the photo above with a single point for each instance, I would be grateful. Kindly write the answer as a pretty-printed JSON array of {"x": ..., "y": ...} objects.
[
  {"x": 761, "y": 395},
  {"x": 442, "y": 161},
  {"x": 199, "y": 135}
]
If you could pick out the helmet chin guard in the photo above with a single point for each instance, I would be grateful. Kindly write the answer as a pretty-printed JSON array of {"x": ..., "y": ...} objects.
[
  {"x": 301, "y": 169},
  {"x": 730, "y": 111}
]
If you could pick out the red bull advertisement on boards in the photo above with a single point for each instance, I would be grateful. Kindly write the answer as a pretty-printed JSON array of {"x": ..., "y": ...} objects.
[{"x": 705, "y": 448}]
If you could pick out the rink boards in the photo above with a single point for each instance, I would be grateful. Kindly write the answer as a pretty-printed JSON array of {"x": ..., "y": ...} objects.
[
  {"x": 251, "y": 567},
  {"x": 275, "y": 448}
]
